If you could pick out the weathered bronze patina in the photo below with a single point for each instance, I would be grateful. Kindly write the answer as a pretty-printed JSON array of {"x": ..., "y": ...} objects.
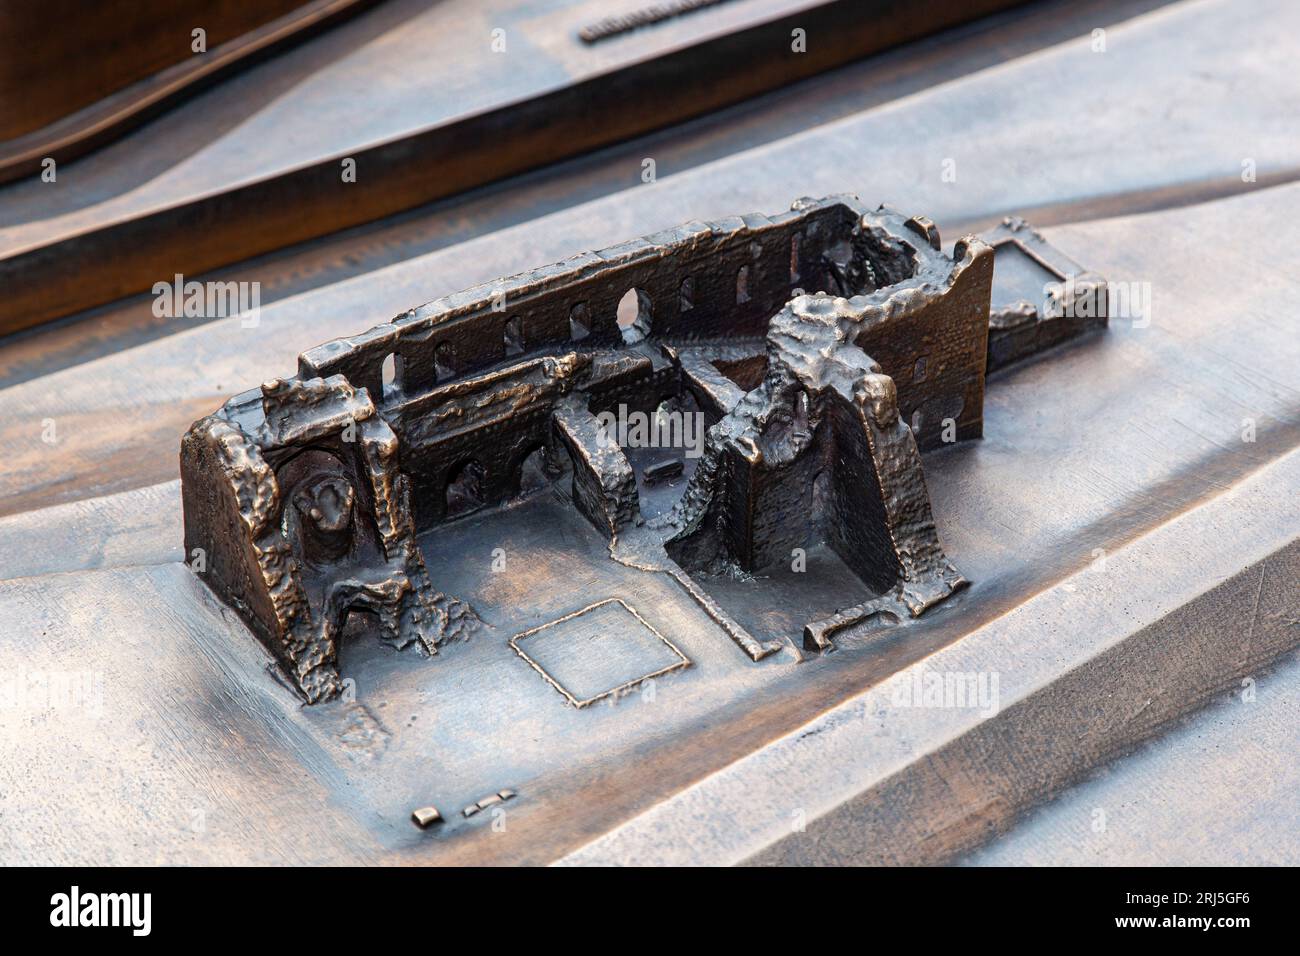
[{"x": 310, "y": 499}]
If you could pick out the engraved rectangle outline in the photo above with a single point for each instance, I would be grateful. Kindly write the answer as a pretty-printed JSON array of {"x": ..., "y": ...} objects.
[{"x": 613, "y": 691}]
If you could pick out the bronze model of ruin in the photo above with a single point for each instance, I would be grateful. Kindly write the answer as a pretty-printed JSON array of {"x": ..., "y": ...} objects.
[{"x": 827, "y": 349}]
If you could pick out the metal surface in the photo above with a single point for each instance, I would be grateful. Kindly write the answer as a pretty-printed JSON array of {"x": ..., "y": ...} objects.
[
  {"x": 1127, "y": 523},
  {"x": 303, "y": 499},
  {"x": 481, "y": 113},
  {"x": 418, "y": 731},
  {"x": 126, "y": 426},
  {"x": 130, "y": 66}
]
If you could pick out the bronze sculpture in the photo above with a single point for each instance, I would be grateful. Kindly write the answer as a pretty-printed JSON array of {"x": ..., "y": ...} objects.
[
  {"x": 308, "y": 498},
  {"x": 1126, "y": 521}
]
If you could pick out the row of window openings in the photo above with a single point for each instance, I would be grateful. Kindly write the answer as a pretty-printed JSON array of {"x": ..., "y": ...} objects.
[{"x": 632, "y": 316}]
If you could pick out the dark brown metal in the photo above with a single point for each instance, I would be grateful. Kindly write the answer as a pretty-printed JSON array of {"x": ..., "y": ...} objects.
[
  {"x": 134, "y": 62},
  {"x": 305, "y": 497}
]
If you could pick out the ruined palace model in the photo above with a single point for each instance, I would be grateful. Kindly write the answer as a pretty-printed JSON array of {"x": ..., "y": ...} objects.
[{"x": 310, "y": 499}]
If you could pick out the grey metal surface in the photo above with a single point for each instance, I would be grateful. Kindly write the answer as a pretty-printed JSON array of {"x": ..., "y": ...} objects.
[
  {"x": 1001, "y": 126},
  {"x": 1221, "y": 788},
  {"x": 1071, "y": 677},
  {"x": 1132, "y": 445},
  {"x": 194, "y": 719}
]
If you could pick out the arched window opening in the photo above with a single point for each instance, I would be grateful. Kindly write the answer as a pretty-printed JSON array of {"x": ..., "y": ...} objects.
[
  {"x": 634, "y": 316},
  {"x": 444, "y": 361},
  {"x": 533, "y": 474},
  {"x": 579, "y": 322},
  {"x": 687, "y": 297},
  {"x": 514, "y": 338},
  {"x": 465, "y": 489},
  {"x": 391, "y": 373}
]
